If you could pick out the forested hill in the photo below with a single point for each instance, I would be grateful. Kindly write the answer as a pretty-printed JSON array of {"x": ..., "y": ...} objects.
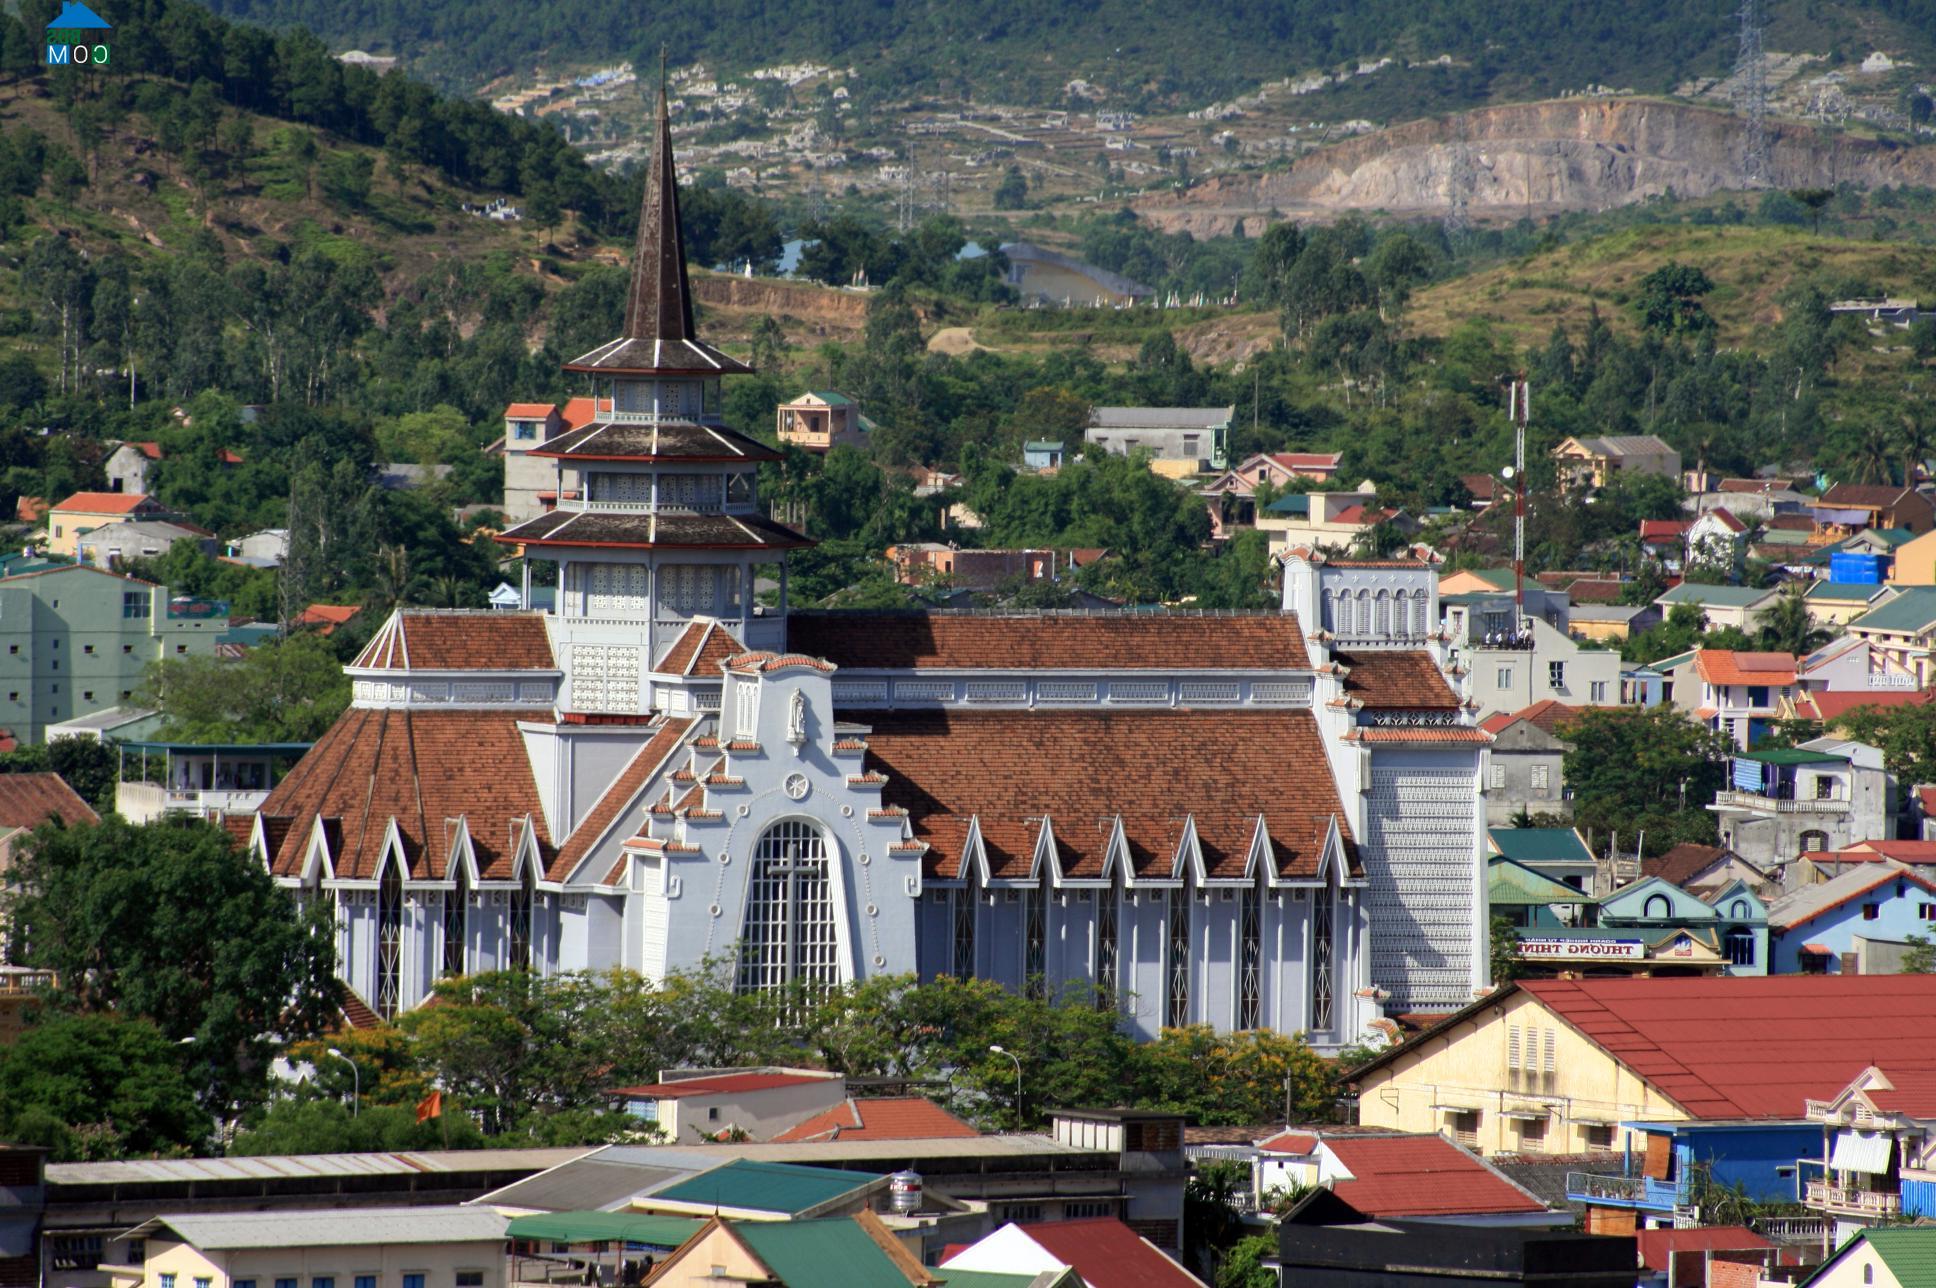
[{"x": 1138, "y": 51}]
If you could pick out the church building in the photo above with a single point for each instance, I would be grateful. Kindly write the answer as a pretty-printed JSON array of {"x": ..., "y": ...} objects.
[{"x": 1248, "y": 820}]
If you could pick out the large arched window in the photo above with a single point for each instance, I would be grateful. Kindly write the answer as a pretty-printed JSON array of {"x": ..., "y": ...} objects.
[
  {"x": 456, "y": 911},
  {"x": 1108, "y": 922},
  {"x": 1324, "y": 912},
  {"x": 389, "y": 941},
  {"x": 1250, "y": 964},
  {"x": 1177, "y": 1008},
  {"x": 521, "y": 901},
  {"x": 789, "y": 935},
  {"x": 1657, "y": 908}
]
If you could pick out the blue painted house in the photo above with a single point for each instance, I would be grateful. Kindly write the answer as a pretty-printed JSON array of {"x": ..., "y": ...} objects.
[
  {"x": 1855, "y": 923},
  {"x": 1765, "y": 1157},
  {"x": 1042, "y": 454},
  {"x": 1731, "y": 922}
]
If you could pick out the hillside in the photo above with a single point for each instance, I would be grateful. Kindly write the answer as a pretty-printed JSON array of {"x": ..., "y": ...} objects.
[
  {"x": 1134, "y": 52},
  {"x": 1536, "y": 159}
]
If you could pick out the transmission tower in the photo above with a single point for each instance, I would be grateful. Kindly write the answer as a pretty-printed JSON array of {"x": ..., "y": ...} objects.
[
  {"x": 1751, "y": 93},
  {"x": 904, "y": 202}
]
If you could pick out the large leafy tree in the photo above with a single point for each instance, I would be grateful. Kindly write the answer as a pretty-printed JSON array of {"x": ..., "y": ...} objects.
[
  {"x": 1650, "y": 770},
  {"x": 172, "y": 923},
  {"x": 287, "y": 690},
  {"x": 1906, "y": 734},
  {"x": 99, "y": 1086}
]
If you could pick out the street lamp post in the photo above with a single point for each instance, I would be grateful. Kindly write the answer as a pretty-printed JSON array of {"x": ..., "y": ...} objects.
[
  {"x": 356, "y": 1082},
  {"x": 1002, "y": 1050}
]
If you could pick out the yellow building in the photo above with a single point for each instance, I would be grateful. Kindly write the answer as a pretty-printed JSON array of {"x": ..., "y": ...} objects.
[
  {"x": 1915, "y": 563},
  {"x": 1592, "y": 462},
  {"x": 790, "y": 1252},
  {"x": 83, "y": 512},
  {"x": 399, "y": 1247}
]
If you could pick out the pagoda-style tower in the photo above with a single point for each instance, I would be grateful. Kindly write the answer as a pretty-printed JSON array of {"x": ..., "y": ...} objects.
[{"x": 657, "y": 522}]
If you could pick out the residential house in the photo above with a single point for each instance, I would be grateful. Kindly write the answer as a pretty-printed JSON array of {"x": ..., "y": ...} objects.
[
  {"x": 1654, "y": 1186},
  {"x": 1333, "y": 521},
  {"x": 1629, "y": 1051},
  {"x": 1560, "y": 853},
  {"x": 1837, "y": 603},
  {"x": 690, "y": 1105},
  {"x": 1524, "y": 766},
  {"x": 83, "y": 512},
  {"x": 1848, "y": 508},
  {"x": 266, "y": 548},
  {"x": 1738, "y": 694},
  {"x": 929, "y": 562},
  {"x": 858, "y": 1251},
  {"x": 1531, "y": 899},
  {"x": 1592, "y": 462},
  {"x": 324, "y": 619},
  {"x": 1722, "y": 931},
  {"x": 1042, "y": 456},
  {"x": 1738, "y": 606},
  {"x": 1915, "y": 562},
  {"x": 111, "y": 546},
  {"x": 76, "y": 640},
  {"x": 1900, "y": 635},
  {"x": 1686, "y": 1258},
  {"x": 1481, "y": 602},
  {"x": 1231, "y": 497},
  {"x": 23, "y": 990},
  {"x": 879, "y": 1118},
  {"x": 1040, "y": 275},
  {"x": 27, "y": 801},
  {"x": 1893, "y": 1257},
  {"x": 1391, "y": 1176},
  {"x": 461, "y": 1246},
  {"x": 1878, "y": 1158},
  {"x": 1326, "y": 1243},
  {"x": 1540, "y": 663},
  {"x": 1855, "y": 923},
  {"x": 1665, "y": 541},
  {"x": 1180, "y": 440},
  {"x": 1703, "y": 869},
  {"x": 1717, "y": 539},
  {"x": 128, "y": 467},
  {"x": 1484, "y": 489},
  {"x": 202, "y": 780},
  {"x": 1103, "y": 1252},
  {"x": 534, "y": 482},
  {"x": 820, "y": 420},
  {"x": 1610, "y": 623},
  {"x": 1822, "y": 794}
]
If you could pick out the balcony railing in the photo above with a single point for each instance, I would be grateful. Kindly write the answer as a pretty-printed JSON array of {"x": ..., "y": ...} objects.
[
  {"x": 1844, "y": 1198},
  {"x": 1791, "y": 1229},
  {"x": 1636, "y": 1191},
  {"x": 1777, "y": 805}
]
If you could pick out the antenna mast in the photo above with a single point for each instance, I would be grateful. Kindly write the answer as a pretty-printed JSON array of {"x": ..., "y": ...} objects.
[{"x": 1519, "y": 404}]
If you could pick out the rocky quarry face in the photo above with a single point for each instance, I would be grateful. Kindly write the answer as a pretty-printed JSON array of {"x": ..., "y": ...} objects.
[{"x": 1535, "y": 159}]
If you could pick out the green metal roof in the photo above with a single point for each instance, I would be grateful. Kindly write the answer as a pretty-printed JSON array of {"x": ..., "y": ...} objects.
[
  {"x": 605, "y": 1227},
  {"x": 1784, "y": 537},
  {"x": 1669, "y": 663},
  {"x": 1042, "y": 445},
  {"x": 1909, "y": 1252},
  {"x": 831, "y": 398},
  {"x": 1913, "y": 610},
  {"x": 834, "y": 1253},
  {"x": 1540, "y": 844},
  {"x": 1890, "y": 537},
  {"x": 765, "y": 1187},
  {"x": 1689, "y": 592},
  {"x": 1501, "y": 578},
  {"x": 1514, "y": 884},
  {"x": 1290, "y": 503},
  {"x": 1792, "y": 756},
  {"x": 1853, "y": 592}
]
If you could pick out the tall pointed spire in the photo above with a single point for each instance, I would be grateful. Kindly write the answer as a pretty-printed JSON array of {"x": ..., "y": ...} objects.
[
  {"x": 659, "y": 306},
  {"x": 658, "y": 335}
]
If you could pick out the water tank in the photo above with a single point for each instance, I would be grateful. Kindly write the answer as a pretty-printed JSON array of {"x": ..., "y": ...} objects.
[
  {"x": 904, "y": 1192},
  {"x": 1858, "y": 567}
]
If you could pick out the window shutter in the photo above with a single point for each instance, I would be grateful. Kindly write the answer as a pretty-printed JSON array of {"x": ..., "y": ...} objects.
[
  {"x": 1512, "y": 1046},
  {"x": 1660, "y": 1156}
]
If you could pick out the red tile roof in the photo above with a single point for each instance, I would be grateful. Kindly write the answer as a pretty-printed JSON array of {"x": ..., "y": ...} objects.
[
  {"x": 1683, "y": 862},
  {"x": 1420, "y": 733},
  {"x": 425, "y": 769},
  {"x": 1747, "y": 1046},
  {"x": 1307, "y": 460},
  {"x": 1657, "y": 1247},
  {"x": 1290, "y": 1142},
  {"x": 1547, "y": 714},
  {"x": 1081, "y": 770},
  {"x": 892, "y": 1118},
  {"x": 1726, "y": 666},
  {"x": 106, "y": 503},
  {"x": 1396, "y": 680},
  {"x": 700, "y": 650},
  {"x": 1119, "y": 642},
  {"x": 28, "y": 800},
  {"x": 1864, "y": 496},
  {"x": 1417, "y": 1176},
  {"x": 580, "y": 412},
  {"x": 1877, "y": 850},
  {"x": 30, "y": 509},
  {"x": 726, "y": 1084},
  {"x": 421, "y": 640},
  {"x": 530, "y": 411},
  {"x": 1833, "y": 706},
  {"x": 151, "y": 450},
  {"x": 327, "y": 617},
  {"x": 1108, "y": 1254},
  {"x": 1663, "y": 529}
]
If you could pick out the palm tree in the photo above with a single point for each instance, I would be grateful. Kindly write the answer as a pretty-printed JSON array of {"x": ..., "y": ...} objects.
[
  {"x": 1872, "y": 453},
  {"x": 1914, "y": 439},
  {"x": 1787, "y": 626}
]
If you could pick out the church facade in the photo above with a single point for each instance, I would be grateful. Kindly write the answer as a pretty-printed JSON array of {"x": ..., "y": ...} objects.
[{"x": 1267, "y": 820}]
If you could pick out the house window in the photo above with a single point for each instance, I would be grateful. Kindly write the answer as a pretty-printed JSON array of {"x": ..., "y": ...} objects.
[
  {"x": 1556, "y": 674},
  {"x": 1035, "y": 942},
  {"x": 1532, "y": 1135},
  {"x": 789, "y": 935},
  {"x": 1871, "y": 911},
  {"x": 1106, "y": 936},
  {"x": 127, "y": 648},
  {"x": 470, "y": 1279},
  {"x": 389, "y": 952},
  {"x": 1814, "y": 963},
  {"x": 285, "y": 1283},
  {"x": 456, "y": 907},
  {"x": 1250, "y": 966},
  {"x": 524, "y": 431},
  {"x": 1597, "y": 691},
  {"x": 1178, "y": 1008},
  {"x": 77, "y": 1251},
  {"x": 181, "y": 648},
  {"x": 87, "y": 648},
  {"x": 1465, "y": 1127},
  {"x": 1498, "y": 774},
  {"x": 414, "y": 1279},
  {"x": 133, "y": 604},
  {"x": 1757, "y": 695},
  {"x": 315, "y": 1281},
  {"x": 242, "y": 1283},
  {"x": 1657, "y": 907},
  {"x": 712, "y": 1113},
  {"x": 205, "y": 1281},
  {"x": 1824, "y": 787},
  {"x": 167, "y": 1281},
  {"x": 1926, "y": 911},
  {"x": 964, "y": 928},
  {"x": 1505, "y": 678},
  {"x": 1741, "y": 947},
  {"x": 747, "y": 702},
  {"x": 521, "y": 940},
  {"x": 1323, "y": 913},
  {"x": 1539, "y": 778},
  {"x": 1598, "y": 1136}
]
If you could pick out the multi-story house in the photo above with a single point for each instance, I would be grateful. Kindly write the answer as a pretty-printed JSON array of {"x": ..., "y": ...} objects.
[
  {"x": 1524, "y": 765},
  {"x": 1538, "y": 664},
  {"x": 1179, "y": 440},
  {"x": 1848, "y": 508},
  {"x": 1820, "y": 795},
  {"x": 1738, "y": 694},
  {"x": 1592, "y": 462},
  {"x": 1901, "y": 635},
  {"x": 75, "y": 640},
  {"x": 820, "y": 420},
  {"x": 83, "y": 512},
  {"x": 1878, "y": 1159},
  {"x": 1857, "y": 922},
  {"x": 1333, "y": 521}
]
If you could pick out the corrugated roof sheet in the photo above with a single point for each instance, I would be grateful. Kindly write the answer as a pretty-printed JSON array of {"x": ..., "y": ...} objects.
[
  {"x": 289, "y": 1166},
  {"x": 331, "y": 1227},
  {"x": 764, "y": 1187},
  {"x": 1417, "y": 1176},
  {"x": 1909, "y": 1253},
  {"x": 834, "y": 1253},
  {"x": 1540, "y": 844}
]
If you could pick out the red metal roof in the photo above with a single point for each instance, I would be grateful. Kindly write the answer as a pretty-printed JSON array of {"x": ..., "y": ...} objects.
[
  {"x": 1749, "y": 1047},
  {"x": 1910, "y": 1091},
  {"x": 726, "y": 1084},
  {"x": 1413, "y": 1176},
  {"x": 1726, "y": 666},
  {"x": 1662, "y": 529},
  {"x": 530, "y": 411},
  {"x": 1658, "y": 1246},
  {"x": 105, "y": 503},
  {"x": 889, "y": 1118},
  {"x": 1290, "y": 1142},
  {"x": 1108, "y": 1254}
]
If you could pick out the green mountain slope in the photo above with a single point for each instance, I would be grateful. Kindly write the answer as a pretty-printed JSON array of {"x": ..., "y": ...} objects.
[{"x": 1146, "y": 51}]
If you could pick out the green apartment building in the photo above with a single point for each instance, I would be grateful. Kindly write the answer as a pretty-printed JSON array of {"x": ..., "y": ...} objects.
[{"x": 75, "y": 639}]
